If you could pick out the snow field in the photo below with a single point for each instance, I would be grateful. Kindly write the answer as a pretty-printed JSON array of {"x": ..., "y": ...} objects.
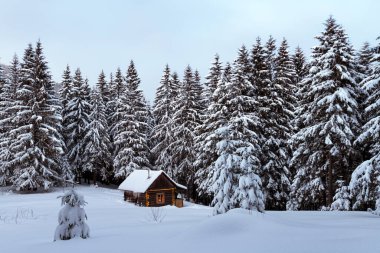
[{"x": 117, "y": 226}]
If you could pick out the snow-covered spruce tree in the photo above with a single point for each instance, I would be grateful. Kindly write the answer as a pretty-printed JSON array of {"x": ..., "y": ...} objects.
[
  {"x": 365, "y": 180},
  {"x": 323, "y": 148},
  {"x": 13, "y": 78},
  {"x": 137, "y": 100},
  {"x": 187, "y": 116},
  {"x": 262, "y": 86},
  {"x": 235, "y": 173},
  {"x": 117, "y": 88},
  {"x": 78, "y": 114},
  {"x": 276, "y": 118},
  {"x": 72, "y": 217},
  {"x": 131, "y": 148},
  {"x": 363, "y": 60},
  {"x": 103, "y": 88},
  {"x": 260, "y": 78},
  {"x": 342, "y": 197},
  {"x": 270, "y": 56},
  {"x": 163, "y": 114},
  {"x": 214, "y": 178},
  {"x": 301, "y": 69},
  {"x": 66, "y": 95},
  {"x": 111, "y": 83},
  {"x": 37, "y": 144},
  {"x": 206, "y": 139},
  {"x": 2, "y": 77},
  {"x": 212, "y": 79},
  {"x": 151, "y": 142},
  {"x": 4, "y": 173},
  {"x": 300, "y": 65},
  {"x": 204, "y": 103},
  {"x": 249, "y": 194},
  {"x": 66, "y": 86},
  {"x": 96, "y": 155},
  {"x": 7, "y": 114}
]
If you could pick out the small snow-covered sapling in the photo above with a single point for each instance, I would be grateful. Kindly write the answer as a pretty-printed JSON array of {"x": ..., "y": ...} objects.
[{"x": 71, "y": 217}]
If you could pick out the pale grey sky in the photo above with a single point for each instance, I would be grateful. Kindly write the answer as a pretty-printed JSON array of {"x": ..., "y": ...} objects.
[{"x": 96, "y": 35}]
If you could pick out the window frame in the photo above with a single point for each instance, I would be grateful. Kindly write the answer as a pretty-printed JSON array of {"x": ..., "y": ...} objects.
[{"x": 160, "y": 196}]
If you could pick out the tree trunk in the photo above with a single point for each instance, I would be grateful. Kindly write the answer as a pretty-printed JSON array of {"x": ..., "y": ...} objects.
[
  {"x": 94, "y": 178},
  {"x": 330, "y": 184}
]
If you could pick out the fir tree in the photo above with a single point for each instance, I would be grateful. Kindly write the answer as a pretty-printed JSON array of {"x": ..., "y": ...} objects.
[
  {"x": 324, "y": 151},
  {"x": 267, "y": 104},
  {"x": 71, "y": 217},
  {"x": 66, "y": 96},
  {"x": 2, "y": 78},
  {"x": 260, "y": 78},
  {"x": 13, "y": 78},
  {"x": 7, "y": 114},
  {"x": 131, "y": 148},
  {"x": 186, "y": 118},
  {"x": 151, "y": 142},
  {"x": 66, "y": 86},
  {"x": 197, "y": 83},
  {"x": 37, "y": 145},
  {"x": 103, "y": 88},
  {"x": 110, "y": 111},
  {"x": 363, "y": 60},
  {"x": 78, "y": 114},
  {"x": 341, "y": 197},
  {"x": 97, "y": 157},
  {"x": 118, "y": 87},
  {"x": 235, "y": 173},
  {"x": 365, "y": 182},
  {"x": 301, "y": 69},
  {"x": 137, "y": 100},
  {"x": 206, "y": 140},
  {"x": 110, "y": 84},
  {"x": 117, "y": 91},
  {"x": 270, "y": 56},
  {"x": 300, "y": 65},
  {"x": 212, "y": 79},
  {"x": 246, "y": 121},
  {"x": 276, "y": 124},
  {"x": 163, "y": 114}
]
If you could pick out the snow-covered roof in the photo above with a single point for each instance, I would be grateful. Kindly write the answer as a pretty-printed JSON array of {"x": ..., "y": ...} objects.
[{"x": 138, "y": 180}]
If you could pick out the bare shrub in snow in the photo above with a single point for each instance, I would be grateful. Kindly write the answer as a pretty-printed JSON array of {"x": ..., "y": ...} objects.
[
  {"x": 157, "y": 214},
  {"x": 72, "y": 217},
  {"x": 20, "y": 215},
  {"x": 23, "y": 214}
]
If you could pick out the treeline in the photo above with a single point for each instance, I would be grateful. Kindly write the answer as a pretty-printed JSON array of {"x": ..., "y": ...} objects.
[{"x": 271, "y": 130}]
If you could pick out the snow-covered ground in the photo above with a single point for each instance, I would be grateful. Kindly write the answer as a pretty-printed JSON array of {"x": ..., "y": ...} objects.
[{"x": 28, "y": 222}]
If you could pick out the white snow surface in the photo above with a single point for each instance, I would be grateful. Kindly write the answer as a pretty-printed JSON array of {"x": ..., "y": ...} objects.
[
  {"x": 28, "y": 221},
  {"x": 140, "y": 180}
]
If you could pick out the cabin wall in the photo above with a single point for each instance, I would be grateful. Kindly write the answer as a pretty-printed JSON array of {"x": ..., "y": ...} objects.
[
  {"x": 168, "y": 193},
  {"x": 136, "y": 198}
]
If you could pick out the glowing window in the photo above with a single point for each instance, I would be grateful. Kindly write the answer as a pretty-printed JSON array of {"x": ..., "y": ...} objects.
[{"x": 160, "y": 198}]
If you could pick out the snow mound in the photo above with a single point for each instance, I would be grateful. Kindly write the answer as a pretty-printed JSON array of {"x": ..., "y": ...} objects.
[{"x": 234, "y": 222}]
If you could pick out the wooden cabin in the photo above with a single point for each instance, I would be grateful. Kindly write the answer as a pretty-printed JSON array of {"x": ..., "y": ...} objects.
[{"x": 152, "y": 188}]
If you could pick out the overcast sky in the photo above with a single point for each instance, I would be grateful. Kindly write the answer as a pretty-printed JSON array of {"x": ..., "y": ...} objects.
[{"x": 96, "y": 35}]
